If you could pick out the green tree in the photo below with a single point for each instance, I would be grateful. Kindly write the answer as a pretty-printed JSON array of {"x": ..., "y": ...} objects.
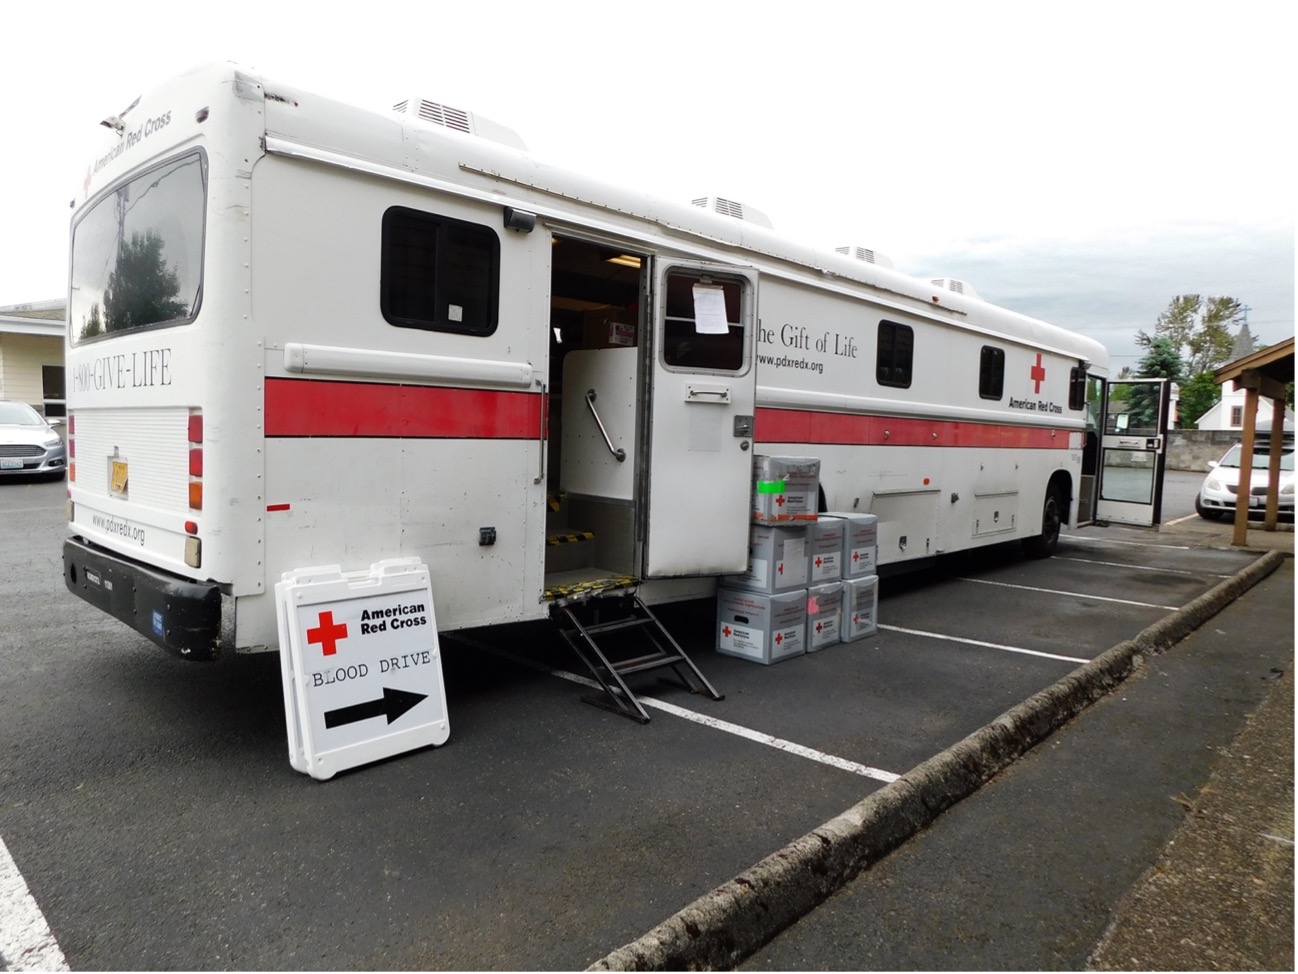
[
  {"x": 1199, "y": 328},
  {"x": 141, "y": 289},
  {"x": 1162, "y": 361},
  {"x": 1199, "y": 393}
]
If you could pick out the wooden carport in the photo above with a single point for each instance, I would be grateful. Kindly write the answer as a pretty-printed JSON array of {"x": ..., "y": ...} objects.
[{"x": 1263, "y": 374}]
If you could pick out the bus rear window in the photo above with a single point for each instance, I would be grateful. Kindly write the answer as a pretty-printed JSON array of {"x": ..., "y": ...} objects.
[{"x": 137, "y": 254}]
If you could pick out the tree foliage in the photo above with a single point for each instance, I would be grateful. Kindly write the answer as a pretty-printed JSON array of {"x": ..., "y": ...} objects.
[
  {"x": 1199, "y": 393},
  {"x": 142, "y": 290},
  {"x": 1200, "y": 328},
  {"x": 1162, "y": 361}
]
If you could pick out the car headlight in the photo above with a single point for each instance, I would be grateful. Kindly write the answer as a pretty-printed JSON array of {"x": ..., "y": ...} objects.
[
  {"x": 53, "y": 439},
  {"x": 1287, "y": 488},
  {"x": 1213, "y": 483}
]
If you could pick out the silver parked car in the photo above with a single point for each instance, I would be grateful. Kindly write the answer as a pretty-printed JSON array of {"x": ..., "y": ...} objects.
[
  {"x": 1220, "y": 488},
  {"x": 28, "y": 444}
]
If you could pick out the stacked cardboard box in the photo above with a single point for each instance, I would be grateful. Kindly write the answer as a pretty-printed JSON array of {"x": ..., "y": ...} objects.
[{"x": 811, "y": 580}]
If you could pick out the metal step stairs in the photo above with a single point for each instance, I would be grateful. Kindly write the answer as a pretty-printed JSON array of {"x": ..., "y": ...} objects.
[{"x": 625, "y": 624}]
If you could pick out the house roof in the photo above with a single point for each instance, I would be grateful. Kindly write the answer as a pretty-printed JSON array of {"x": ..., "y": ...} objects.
[
  {"x": 35, "y": 318},
  {"x": 1274, "y": 363}
]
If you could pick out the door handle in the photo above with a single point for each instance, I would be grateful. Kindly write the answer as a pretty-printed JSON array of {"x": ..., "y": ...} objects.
[{"x": 717, "y": 394}]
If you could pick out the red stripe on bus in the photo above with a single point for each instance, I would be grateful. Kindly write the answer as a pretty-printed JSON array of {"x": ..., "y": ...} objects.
[
  {"x": 310, "y": 407},
  {"x": 805, "y": 426}
]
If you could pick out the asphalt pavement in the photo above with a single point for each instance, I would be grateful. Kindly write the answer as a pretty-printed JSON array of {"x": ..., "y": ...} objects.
[
  {"x": 1186, "y": 763},
  {"x": 152, "y": 821}
]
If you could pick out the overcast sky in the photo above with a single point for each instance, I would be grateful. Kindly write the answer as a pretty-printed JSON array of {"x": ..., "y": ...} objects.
[{"x": 1082, "y": 165}]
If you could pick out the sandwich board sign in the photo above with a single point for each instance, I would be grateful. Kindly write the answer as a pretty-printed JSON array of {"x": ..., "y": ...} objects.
[{"x": 361, "y": 665}]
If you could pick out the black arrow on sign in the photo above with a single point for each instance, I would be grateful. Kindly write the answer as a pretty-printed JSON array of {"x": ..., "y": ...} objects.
[{"x": 393, "y": 705}]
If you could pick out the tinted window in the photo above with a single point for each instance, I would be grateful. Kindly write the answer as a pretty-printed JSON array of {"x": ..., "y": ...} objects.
[
  {"x": 438, "y": 273},
  {"x": 896, "y": 353},
  {"x": 991, "y": 372},
  {"x": 1077, "y": 389},
  {"x": 137, "y": 254}
]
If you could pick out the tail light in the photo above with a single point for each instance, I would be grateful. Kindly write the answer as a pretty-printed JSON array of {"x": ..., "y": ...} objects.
[{"x": 193, "y": 544}]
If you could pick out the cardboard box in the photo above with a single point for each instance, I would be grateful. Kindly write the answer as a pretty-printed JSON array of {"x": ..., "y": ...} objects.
[
  {"x": 860, "y": 608},
  {"x": 824, "y": 615},
  {"x": 777, "y": 560},
  {"x": 802, "y": 487},
  {"x": 608, "y": 328},
  {"x": 860, "y": 543},
  {"x": 762, "y": 628},
  {"x": 768, "y": 490},
  {"x": 825, "y": 543}
]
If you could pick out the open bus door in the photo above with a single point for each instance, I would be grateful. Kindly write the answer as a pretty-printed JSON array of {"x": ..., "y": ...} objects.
[
  {"x": 703, "y": 384},
  {"x": 1132, "y": 452}
]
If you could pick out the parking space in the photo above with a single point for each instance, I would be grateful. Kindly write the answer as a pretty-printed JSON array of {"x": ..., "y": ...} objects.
[{"x": 150, "y": 807}]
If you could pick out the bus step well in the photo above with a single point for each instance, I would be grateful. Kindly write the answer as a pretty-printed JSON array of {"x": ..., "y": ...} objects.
[{"x": 634, "y": 641}]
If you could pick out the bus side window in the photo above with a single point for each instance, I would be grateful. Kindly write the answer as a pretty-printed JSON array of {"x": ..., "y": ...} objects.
[
  {"x": 439, "y": 274},
  {"x": 896, "y": 353},
  {"x": 991, "y": 372}
]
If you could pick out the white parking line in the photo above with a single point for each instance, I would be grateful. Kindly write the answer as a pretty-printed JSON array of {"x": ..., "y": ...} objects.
[
  {"x": 1071, "y": 595},
  {"x": 747, "y": 733},
  {"x": 1137, "y": 544},
  {"x": 26, "y": 943},
  {"x": 977, "y": 642},
  {"x": 1139, "y": 568}
]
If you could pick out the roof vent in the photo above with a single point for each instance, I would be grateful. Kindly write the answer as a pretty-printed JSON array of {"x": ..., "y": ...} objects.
[
  {"x": 435, "y": 113},
  {"x": 730, "y": 208},
  {"x": 959, "y": 287},
  {"x": 866, "y": 254}
]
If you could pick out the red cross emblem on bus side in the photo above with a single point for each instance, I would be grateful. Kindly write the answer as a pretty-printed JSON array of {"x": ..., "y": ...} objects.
[
  {"x": 1038, "y": 374},
  {"x": 327, "y": 633}
]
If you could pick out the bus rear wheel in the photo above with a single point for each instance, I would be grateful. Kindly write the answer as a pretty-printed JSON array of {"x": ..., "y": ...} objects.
[{"x": 1044, "y": 544}]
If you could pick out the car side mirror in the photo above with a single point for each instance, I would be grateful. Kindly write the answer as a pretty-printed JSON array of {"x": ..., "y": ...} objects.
[{"x": 1212, "y": 464}]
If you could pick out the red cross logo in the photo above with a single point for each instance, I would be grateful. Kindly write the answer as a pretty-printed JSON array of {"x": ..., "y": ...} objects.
[
  {"x": 779, "y": 500},
  {"x": 779, "y": 638},
  {"x": 725, "y": 631},
  {"x": 1038, "y": 374},
  {"x": 818, "y": 561},
  {"x": 856, "y": 556},
  {"x": 327, "y": 633}
]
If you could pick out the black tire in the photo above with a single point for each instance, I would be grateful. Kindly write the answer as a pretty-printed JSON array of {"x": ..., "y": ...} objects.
[
  {"x": 1207, "y": 513},
  {"x": 1052, "y": 520}
]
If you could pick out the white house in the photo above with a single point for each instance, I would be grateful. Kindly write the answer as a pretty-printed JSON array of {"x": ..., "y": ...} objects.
[
  {"x": 1229, "y": 414},
  {"x": 31, "y": 354}
]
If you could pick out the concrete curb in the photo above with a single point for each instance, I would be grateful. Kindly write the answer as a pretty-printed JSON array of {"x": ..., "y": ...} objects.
[{"x": 722, "y": 927}]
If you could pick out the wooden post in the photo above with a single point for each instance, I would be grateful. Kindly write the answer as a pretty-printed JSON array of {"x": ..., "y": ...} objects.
[
  {"x": 1243, "y": 492},
  {"x": 1273, "y": 468}
]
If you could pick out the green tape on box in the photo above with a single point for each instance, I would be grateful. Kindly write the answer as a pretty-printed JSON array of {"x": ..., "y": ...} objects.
[{"x": 771, "y": 486}]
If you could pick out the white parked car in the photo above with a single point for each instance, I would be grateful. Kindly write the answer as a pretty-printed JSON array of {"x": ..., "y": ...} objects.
[
  {"x": 1221, "y": 486},
  {"x": 28, "y": 444}
]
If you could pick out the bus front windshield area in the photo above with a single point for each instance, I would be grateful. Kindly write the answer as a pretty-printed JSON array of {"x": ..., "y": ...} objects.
[{"x": 137, "y": 254}]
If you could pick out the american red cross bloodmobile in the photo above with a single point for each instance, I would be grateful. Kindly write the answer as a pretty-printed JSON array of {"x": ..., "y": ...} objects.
[{"x": 302, "y": 333}]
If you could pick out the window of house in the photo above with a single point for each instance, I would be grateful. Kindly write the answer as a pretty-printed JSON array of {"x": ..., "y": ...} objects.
[
  {"x": 991, "y": 372},
  {"x": 438, "y": 273},
  {"x": 1237, "y": 416},
  {"x": 895, "y": 354}
]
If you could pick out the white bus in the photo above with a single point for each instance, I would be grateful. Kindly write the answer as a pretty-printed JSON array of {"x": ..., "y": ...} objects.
[{"x": 302, "y": 333}]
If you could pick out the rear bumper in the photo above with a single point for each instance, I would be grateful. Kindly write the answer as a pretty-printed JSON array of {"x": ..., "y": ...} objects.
[{"x": 181, "y": 616}]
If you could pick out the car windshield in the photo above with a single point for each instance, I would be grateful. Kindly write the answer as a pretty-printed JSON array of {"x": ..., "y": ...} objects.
[
  {"x": 1261, "y": 461},
  {"x": 19, "y": 414}
]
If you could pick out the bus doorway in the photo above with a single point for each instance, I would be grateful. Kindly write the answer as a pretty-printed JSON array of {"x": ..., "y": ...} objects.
[
  {"x": 652, "y": 391},
  {"x": 1133, "y": 451}
]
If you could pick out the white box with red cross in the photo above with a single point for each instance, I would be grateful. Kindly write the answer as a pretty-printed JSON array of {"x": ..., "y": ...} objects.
[{"x": 763, "y": 628}]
